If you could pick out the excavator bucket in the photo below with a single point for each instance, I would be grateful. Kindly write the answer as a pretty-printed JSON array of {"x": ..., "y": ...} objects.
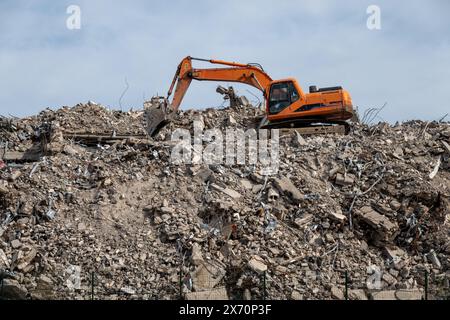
[{"x": 157, "y": 113}]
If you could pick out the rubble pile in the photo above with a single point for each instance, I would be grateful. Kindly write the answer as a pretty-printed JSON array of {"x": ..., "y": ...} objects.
[{"x": 122, "y": 220}]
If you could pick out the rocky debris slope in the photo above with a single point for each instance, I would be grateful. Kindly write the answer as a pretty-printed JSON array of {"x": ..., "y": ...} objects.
[{"x": 124, "y": 220}]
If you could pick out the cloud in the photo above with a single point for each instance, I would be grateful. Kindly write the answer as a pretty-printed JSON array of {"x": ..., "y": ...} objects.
[{"x": 43, "y": 64}]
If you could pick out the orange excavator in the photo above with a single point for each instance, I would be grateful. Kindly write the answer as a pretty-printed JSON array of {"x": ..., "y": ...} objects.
[{"x": 287, "y": 105}]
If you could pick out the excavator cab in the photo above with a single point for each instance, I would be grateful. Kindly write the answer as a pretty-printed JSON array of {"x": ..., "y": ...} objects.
[
  {"x": 281, "y": 95},
  {"x": 288, "y": 106}
]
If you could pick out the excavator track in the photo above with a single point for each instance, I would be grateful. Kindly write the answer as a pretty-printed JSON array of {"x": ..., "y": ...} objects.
[{"x": 309, "y": 126}]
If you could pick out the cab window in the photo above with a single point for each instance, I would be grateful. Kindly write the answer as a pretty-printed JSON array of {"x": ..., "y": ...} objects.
[
  {"x": 281, "y": 96},
  {"x": 293, "y": 92}
]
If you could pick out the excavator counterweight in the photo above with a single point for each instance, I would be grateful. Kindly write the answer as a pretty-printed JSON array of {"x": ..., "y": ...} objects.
[{"x": 287, "y": 106}]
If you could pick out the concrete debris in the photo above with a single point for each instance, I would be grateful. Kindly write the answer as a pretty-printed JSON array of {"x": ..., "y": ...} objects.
[
  {"x": 24, "y": 258},
  {"x": 128, "y": 290},
  {"x": 207, "y": 275},
  {"x": 196, "y": 256},
  {"x": 247, "y": 295},
  {"x": 44, "y": 289},
  {"x": 15, "y": 244},
  {"x": 337, "y": 293},
  {"x": 246, "y": 184},
  {"x": 295, "y": 295},
  {"x": 4, "y": 261},
  {"x": 382, "y": 225},
  {"x": 389, "y": 279},
  {"x": 344, "y": 180},
  {"x": 436, "y": 169},
  {"x": 12, "y": 290},
  {"x": 229, "y": 192},
  {"x": 299, "y": 140},
  {"x": 304, "y": 221},
  {"x": 257, "y": 264},
  {"x": 394, "y": 254},
  {"x": 272, "y": 195},
  {"x": 285, "y": 186},
  {"x": 357, "y": 294},
  {"x": 433, "y": 258},
  {"x": 409, "y": 294},
  {"x": 337, "y": 215},
  {"x": 83, "y": 189},
  {"x": 397, "y": 295},
  {"x": 446, "y": 146},
  {"x": 215, "y": 294}
]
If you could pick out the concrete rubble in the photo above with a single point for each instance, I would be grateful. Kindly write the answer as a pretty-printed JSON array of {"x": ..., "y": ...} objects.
[{"x": 99, "y": 200}]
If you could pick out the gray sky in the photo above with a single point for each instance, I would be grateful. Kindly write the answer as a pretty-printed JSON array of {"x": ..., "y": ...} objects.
[{"x": 326, "y": 43}]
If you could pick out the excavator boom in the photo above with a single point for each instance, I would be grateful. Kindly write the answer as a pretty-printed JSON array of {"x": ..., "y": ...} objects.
[
  {"x": 237, "y": 72},
  {"x": 159, "y": 110}
]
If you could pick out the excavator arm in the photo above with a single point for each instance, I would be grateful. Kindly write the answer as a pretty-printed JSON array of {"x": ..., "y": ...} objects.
[
  {"x": 252, "y": 75},
  {"x": 159, "y": 110}
]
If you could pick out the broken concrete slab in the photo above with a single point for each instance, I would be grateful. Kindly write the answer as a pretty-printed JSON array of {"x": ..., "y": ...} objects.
[
  {"x": 12, "y": 290},
  {"x": 390, "y": 280},
  {"x": 257, "y": 264},
  {"x": 345, "y": 180},
  {"x": 299, "y": 140},
  {"x": 229, "y": 192},
  {"x": 256, "y": 177},
  {"x": 433, "y": 258},
  {"x": 383, "y": 295},
  {"x": 14, "y": 175},
  {"x": 128, "y": 290},
  {"x": 196, "y": 255},
  {"x": 285, "y": 186},
  {"x": 412, "y": 294},
  {"x": 295, "y": 295},
  {"x": 208, "y": 275},
  {"x": 446, "y": 146},
  {"x": 25, "y": 258},
  {"x": 394, "y": 253},
  {"x": 204, "y": 174},
  {"x": 304, "y": 221},
  {"x": 3, "y": 258},
  {"x": 246, "y": 184},
  {"x": 15, "y": 244},
  {"x": 215, "y": 294},
  {"x": 380, "y": 223},
  {"x": 357, "y": 294},
  {"x": 436, "y": 169},
  {"x": 44, "y": 289},
  {"x": 337, "y": 215},
  {"x": 337, "y": 293},
  {"x": 232, "y": 193}
]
